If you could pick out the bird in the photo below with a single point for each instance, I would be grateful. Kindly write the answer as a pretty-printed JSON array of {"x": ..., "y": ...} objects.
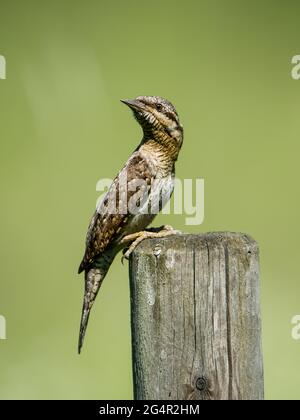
[{"x": 136, "y": 195}]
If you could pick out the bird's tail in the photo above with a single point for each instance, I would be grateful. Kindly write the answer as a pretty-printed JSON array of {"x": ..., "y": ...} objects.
[{"x": 93, "y": 280}]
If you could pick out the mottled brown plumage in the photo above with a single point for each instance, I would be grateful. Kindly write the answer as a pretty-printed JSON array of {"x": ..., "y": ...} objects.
[
  {"x": 107, "y": 227},
  {"x": 147, "y": 179}
]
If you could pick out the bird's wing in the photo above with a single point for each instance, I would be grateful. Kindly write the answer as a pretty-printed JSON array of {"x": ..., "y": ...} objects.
[{"x": 111, "y": 215}]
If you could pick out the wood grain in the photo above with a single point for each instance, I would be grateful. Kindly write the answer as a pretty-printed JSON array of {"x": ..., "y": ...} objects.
[{"x": 195, "y": 313}]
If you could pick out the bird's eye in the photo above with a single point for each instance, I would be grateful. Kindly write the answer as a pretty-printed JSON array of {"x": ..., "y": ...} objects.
[{"x": 159, "y": 107}]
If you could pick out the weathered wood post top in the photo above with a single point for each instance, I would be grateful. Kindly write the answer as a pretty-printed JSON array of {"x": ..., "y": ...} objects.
[{"x": 195, "y": 311}]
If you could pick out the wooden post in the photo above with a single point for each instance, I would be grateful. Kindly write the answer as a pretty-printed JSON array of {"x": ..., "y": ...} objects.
[{"x": 195, "y": 313}]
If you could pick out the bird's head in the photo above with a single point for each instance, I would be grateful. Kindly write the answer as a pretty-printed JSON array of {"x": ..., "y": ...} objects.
[{"x": 158, "y": 119}]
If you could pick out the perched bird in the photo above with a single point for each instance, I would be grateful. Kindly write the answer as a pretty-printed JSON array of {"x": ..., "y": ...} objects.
[{"x": 136, "y": 195}]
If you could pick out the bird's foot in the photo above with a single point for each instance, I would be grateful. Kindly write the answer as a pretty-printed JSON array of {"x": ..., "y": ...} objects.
[{"x": 138, "y": 237}]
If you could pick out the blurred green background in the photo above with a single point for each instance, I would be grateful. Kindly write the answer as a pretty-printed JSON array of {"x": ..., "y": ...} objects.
[{"x": 226, "y": 66}]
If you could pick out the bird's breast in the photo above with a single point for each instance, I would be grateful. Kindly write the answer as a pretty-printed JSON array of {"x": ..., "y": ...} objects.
[{"x": 157, "y": 196}]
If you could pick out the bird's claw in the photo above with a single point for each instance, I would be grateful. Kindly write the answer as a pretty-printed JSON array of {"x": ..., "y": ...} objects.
[
  {"x": 138, "y": 237},
  {"x": 125, "y": 255}
]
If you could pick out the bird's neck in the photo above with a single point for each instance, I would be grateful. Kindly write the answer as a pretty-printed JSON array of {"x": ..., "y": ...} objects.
[{"x": 162, "y": 154}]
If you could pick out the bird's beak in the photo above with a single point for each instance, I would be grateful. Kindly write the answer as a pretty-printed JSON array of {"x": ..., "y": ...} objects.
[{"x": 134, "y": 104}]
